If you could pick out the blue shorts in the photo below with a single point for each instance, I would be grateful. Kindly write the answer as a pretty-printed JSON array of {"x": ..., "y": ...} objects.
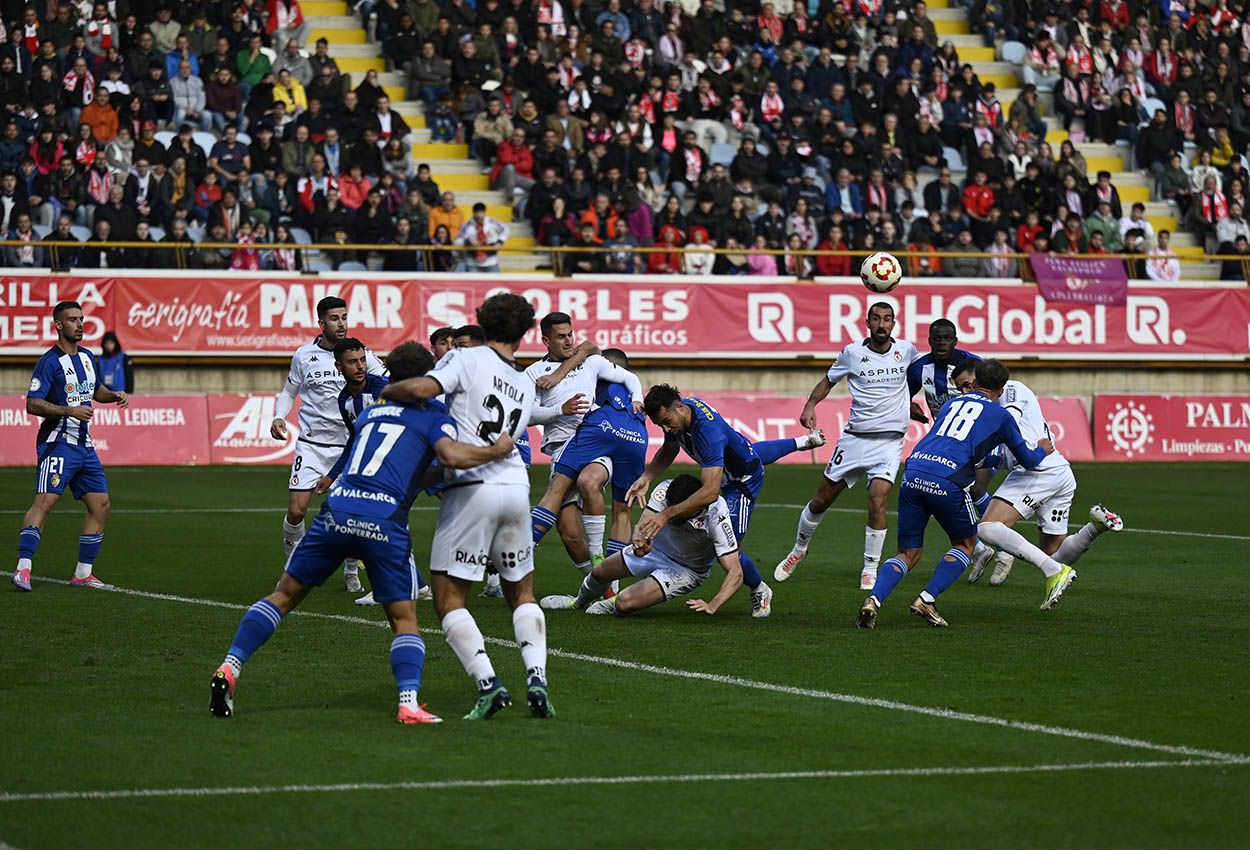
[
  {"x": 65, "y": 464},
  {"x": 741, "y": 502},
  {"x": 922, "y": 496},
  {"x": 382, "y": 544},
  {"x": 598, "y": 440}
]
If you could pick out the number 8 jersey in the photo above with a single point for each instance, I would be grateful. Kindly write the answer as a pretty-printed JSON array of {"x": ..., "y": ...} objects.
[{"x": 486, "y": 395}]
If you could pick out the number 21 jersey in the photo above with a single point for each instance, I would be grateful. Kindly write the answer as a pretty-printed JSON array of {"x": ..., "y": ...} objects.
[{"x": 486, "y": 395}]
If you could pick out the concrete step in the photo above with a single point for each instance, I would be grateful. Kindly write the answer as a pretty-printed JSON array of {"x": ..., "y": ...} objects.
[
  {"x": 324, "y": 8},
  {"x": 337, "y": 34},
  {"x": 951, "y": 27},
  {"x": 964, "y": 41},
  {"x": 440, "y": 150},
  {"x": 440, "y": 165}
]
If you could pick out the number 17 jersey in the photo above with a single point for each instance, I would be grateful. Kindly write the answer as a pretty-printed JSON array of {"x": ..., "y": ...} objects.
[{"x": 486, "y": 395}]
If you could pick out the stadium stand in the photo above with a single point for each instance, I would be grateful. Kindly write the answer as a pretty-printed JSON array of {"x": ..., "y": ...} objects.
[{"x": 775, "y": 124}]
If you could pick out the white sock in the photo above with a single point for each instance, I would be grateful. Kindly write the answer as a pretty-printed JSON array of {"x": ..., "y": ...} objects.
[
  {"x": 465, "y": 639},
  {"x": 23, "y": 564},
  {"x": 594, "y": 526},
  {"x": 291, "y": 535},
  {"x": 874, "y": 540},
  {"x": 531, "y": 635},
  {"x": 808, "y": 523},
  {"x": 1071, "y": 550},
  {"x": 1009, "y": 540},
  {"x": 585, "y": 567},
  {"x": 82, "y": 570},
  {"x": 590, "y": 591},
  {"x": 235, "y": 665},
  {"x": 351, "y": 567},
  {"x": 408, "y": 697}
]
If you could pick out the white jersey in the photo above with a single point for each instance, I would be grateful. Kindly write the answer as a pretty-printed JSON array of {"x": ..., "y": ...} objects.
[
  {"x": 316, "y": 380},
  {"x": 696, "y": 542},
  {"x": 486, "y": 396},
  {"x": 1025, "y": 409},
  {"x": 880, "y": 398},
  {"x": 558, "y": 428}
]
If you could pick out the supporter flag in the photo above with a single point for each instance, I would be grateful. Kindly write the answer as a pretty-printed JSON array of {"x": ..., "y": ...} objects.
[{"x": 1080, "y": 280}]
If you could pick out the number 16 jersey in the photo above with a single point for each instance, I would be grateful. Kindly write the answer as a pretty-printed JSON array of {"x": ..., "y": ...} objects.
[{"x": 486, "y": 395}]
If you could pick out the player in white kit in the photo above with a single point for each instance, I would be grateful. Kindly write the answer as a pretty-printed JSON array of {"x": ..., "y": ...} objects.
[
  {"x": 1045, "y": 492},
  {"x": 871, "y": 445},
  {"x": 316, "y": 381},
  {"x": 678, "y": 560},
  {"x": 569, "y": 372},
  {"x": 485, "y": 512}
]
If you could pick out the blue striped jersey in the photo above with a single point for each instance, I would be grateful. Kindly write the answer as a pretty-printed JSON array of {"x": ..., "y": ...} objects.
[
  {"x": 935, "y": 380},
  {"x": 65, "y": 379}
]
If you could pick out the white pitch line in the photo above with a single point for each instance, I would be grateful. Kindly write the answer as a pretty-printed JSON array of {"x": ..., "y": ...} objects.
[
  {"x": 578, "y": 781},
  {"x": 751, "y": 684},
  {"x": 1168, "y": 531}
]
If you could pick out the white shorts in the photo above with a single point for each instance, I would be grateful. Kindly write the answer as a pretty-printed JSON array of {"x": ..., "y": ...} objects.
[
  {"x": 674, "y": 579},
  {"x": 854, "y": 456},
  {"x": 480, "y": 524},
  {"x": 311, "y": 462},
  {"x": 574, "y": 496},
  {"x": 1047, "y": 493}
]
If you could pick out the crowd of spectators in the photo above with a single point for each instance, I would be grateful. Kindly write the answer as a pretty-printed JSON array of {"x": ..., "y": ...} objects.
[{"x": 788, "y": 125}]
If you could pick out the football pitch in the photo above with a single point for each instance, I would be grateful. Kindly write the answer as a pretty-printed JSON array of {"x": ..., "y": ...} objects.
[{"x": 1119, "y": 719}]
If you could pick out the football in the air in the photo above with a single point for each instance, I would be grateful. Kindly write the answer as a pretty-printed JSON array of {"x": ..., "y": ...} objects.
[{"x": 881, "y": 272}]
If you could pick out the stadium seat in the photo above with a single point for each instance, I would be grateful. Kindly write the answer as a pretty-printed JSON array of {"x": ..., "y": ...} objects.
[
  {"x": 1013, "y": 52},
  {"x": 205, "y": 141},
  {"x": 722, "y": 154},
  {"x": 165, "y": 137},
  {"x": 317, "y": 263},
  {"x": 41, "y": 230},
  {"x": 301, "y": 235},
  {"x": 244, "y": 138},
  {"x": 1151, "y": 104},
  {"x": 158, "y": 233},
  {"x": 82, "y": 234},
  {"x": 353, "y": 266},
  {"x": 954, "y": 161}
]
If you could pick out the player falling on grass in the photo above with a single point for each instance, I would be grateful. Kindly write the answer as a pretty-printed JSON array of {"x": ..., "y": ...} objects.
[
  {"x": 871, "y": 444},
  {"x": 362, "y": 389},
  {"x": 678, "y": 560},
  {"x": 610, "y": 440},
  {"x": 63, "y": 387},
  {"x": 485, "y": 512},
  {"x": 567, "y": 373},
  {"x": 935, "y": 482},
  {"x": 732, "y": 468},
  {"x": 316, "y": 382},
  {"x": 1045, "y": 492},
  {"x": 365, "y": 516}
]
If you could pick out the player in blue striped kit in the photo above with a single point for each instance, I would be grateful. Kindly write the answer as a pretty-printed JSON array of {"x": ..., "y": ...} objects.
[
  {"x": 936, "y": 476},
  {"x": 365, "y": 516},
  {"x": 64, "y": 385}
]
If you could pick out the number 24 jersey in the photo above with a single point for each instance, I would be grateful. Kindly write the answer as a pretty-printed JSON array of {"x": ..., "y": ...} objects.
[{"x": 486, "y": 395}]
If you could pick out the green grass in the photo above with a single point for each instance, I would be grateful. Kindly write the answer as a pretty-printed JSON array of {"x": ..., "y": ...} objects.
[{"x": 105, "y": 691}]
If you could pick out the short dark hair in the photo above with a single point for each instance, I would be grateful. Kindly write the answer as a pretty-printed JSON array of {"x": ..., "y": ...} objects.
[
  {"x": 992, "y": 375},
  {"x": 345, "y": 345},
  {"x": 409, "y": 360},
  {"x": 968, "y": 364},
  {"x": 682, "y": 488},
  {"x": 441, "y": 334},
  {"x": 64, "y": 307},
  {"x": 943, "y": 324},
  {"x": 661, "y": 395},
  {"x": 616, "y": 357},
  {"x": 473, "y": 332},
  {"x": 505, "y": 318},
  {"x": 885, "y": 305},
  {"x": 330, "y": 302},
  {"x": 550, "y": 320}
]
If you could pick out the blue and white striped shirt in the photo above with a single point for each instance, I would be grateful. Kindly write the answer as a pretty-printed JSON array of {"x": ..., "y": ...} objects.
[
  {"x": 65, "y": 379},
  {"x": 935, "y": 380}
]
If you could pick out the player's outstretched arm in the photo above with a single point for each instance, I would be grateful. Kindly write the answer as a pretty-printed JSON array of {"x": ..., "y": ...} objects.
[
  {"x": 659, "y": 464},
  {"x": 104, "y": 395},
  {"x": 642, "y": 545},
  {"x": 43, "y": 407},
  {"x": 649, "y": 527},
  {"x": 728, "y": 586},
  {"x": 574, "y": 406},
  {"x": 458, "y": 455},
  {"x": 412, "y": 390},
  {"x": 586, "y": 349},
  {"x": 818, "y": 394}
]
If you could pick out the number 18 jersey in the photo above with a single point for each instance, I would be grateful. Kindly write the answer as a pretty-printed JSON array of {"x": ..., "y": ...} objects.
[{"x": 486, "y": 395}]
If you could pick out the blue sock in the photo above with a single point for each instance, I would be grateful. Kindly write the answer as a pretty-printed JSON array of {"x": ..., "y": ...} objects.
[
  {"x": 953, "y": 563},
  {"x": 614, "y": 546},
  {"x": 89, "y": 547},
  {"x": 891, "y": 573},
  {"x": 27, "y": 542},
  {"x": 770, "y": 451},
  {"x": 256, "y": 627},
  {"x": 983, "y": 503},
  {"x": 408, "y": 663},
  {"x": 750, "y": 575},
  {"x": 541, "y": 521}
]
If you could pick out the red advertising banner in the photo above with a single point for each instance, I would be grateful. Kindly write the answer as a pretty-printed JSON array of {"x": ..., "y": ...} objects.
[
  {"x": 233, "y": 428},
  {"x": 1172, "y": 427},
  {"x": 670, "y": 316},
  {"x": 168, "y": 430}
]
